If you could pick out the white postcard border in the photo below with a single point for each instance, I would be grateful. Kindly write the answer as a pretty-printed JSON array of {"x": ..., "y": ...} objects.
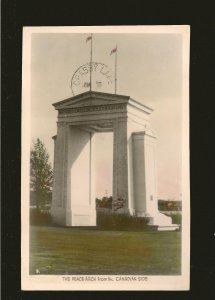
[{"x": 52, "y": 282}]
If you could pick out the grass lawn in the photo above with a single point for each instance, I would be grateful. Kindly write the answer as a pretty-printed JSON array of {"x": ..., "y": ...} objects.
[{"x": 59, "y": 251}]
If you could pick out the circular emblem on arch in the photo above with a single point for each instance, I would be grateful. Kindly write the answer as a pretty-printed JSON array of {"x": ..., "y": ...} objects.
[{"x": 101, "y": 78}]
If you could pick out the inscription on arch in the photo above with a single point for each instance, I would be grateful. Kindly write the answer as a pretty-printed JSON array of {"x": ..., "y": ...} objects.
[{"x": 92, "y": 108}]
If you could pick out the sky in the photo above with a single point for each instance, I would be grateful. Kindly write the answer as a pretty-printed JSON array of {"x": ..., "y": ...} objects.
[{"x": 149, "y": 70}]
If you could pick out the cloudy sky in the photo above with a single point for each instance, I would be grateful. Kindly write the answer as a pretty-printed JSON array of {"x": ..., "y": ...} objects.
[{"x": 149, "y": 69}]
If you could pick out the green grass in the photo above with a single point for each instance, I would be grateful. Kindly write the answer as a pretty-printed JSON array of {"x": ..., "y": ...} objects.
[{"x": 59, "y": 251}]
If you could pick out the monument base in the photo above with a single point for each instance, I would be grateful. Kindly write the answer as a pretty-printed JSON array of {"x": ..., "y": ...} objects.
[
  {"x": 172, "y": 227},
  {"x": 78, "y": 216},
  {"x": 81, "y": 215},
  {"x": 163, "y": 223},
  {"x": 158, "y": 220}
]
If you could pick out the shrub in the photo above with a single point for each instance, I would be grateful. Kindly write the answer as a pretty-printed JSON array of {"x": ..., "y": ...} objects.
[
  {"x": 176, "y": 219},
  {"x": 40, "y": 218},
  {"x": 121, "y": 222},
  {"x": 105, "y": 202},
  {"x": 169, "y": 205}
]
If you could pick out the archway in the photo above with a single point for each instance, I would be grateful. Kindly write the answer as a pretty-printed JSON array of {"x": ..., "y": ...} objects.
[{"x": 134, "y": 168}]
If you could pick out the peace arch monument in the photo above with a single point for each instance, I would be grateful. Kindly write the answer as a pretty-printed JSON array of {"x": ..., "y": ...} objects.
[{"x": 134, "y": 158}]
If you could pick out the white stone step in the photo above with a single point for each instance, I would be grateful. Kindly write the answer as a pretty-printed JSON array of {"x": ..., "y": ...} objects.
[{"x": 172, "y": 227}]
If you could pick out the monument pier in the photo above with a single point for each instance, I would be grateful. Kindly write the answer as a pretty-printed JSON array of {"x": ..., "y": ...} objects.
[{"x": 134, "y": 158}]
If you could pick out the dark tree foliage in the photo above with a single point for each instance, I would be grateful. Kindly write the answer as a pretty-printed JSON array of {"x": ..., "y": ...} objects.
[
  {"x": 105, "y": 202},
  {"x": 169, "y": 205},
  {"x": 41, "y": 174}
]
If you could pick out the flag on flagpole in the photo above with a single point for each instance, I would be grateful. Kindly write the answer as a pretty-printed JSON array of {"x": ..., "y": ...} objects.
[
  {"x": 113, "y": 50},
  {"x": 99, "y": 83},
  {"x": 88, "y": 38},
  {"x": 86, "y": 84}
]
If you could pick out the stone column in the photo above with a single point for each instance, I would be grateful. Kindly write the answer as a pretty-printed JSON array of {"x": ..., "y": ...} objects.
[
  {"x": 80, "y": 179},
  {"x": 144, "y": 173},
  {"x": 120, "y": 166},
  {"x": 58, "y": 208},
  {"x": 92, "y": 194},
  {"x": 145, "y": 179}
]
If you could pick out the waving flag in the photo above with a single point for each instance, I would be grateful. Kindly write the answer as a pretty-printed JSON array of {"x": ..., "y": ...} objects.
[
  {"x": 113, "y": 50},
  {"x": 86, "y": 84},
  {"x": 88, "y": 38},
  {"x": 99, "y": 83}
]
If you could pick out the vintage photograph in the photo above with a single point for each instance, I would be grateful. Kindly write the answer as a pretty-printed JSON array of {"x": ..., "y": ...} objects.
[{"x": 105, "y": 158}]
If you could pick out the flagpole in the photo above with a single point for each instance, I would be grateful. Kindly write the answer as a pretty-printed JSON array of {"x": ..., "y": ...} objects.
[
  {"x": 91, "y": 51},
  {"x": 116, "y": 69}
]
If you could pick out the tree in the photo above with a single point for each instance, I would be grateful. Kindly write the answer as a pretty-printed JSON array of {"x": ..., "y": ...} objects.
[{"x": 41, "y": 174}]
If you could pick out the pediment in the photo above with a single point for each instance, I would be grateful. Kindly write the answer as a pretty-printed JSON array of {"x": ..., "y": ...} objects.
[
  {"x": 91, "y": 99},
  {"x": 91, "y": 102}
]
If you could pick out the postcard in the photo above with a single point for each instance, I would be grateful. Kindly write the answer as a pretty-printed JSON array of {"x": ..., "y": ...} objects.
[{"x": 105, "y": 158}]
